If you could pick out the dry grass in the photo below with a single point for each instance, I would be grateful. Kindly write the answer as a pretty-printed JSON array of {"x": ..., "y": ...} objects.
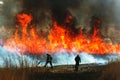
[
  {"x": 27, "y": 72},
  {"x": 41, "y": 73},
  {"x": 12, "y": 74},
  {"x": 15, "y": 72},
  {"x": 20, "y": 73},
  {"x": 111, "y": 72}
]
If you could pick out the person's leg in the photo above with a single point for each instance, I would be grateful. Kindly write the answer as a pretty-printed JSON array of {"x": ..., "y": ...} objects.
[
  {"x": 46, "y": 64},
  {"x": 51, "y": 64},
  {"x": 75, "y": 67}
]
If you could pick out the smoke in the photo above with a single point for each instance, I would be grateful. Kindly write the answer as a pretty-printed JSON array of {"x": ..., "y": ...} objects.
[
  {"x": 82, "y": 10},
  {"x": 39, "y": 10},
  {"x": 65, "y": 58},
  {"x": 9, "y": 59},
  {"x": 57, "y": 8},
  {"x": 45, "y": 11},
  {"x": 9, "y": 9},
  {"x": 117, "y": 10},
  {"x": 108, "y": 11},
  {"x": 99, "y": 8},
  {"x": 15, "y": 59}
]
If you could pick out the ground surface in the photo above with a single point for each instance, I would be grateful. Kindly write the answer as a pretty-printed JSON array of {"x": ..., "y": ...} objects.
[
  {"x": 64, "y": 72},
  {"x": 86, "y": 72}
]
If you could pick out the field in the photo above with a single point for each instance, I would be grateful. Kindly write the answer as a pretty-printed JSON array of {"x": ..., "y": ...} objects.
[
  {"x": 62, "y": 72},
  {"x": 110, "y": 71}
]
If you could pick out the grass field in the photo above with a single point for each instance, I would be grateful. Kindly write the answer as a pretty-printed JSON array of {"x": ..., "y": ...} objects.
[
  {"x": 62, "y": 72},
  {"x": 111, "y": 71}
]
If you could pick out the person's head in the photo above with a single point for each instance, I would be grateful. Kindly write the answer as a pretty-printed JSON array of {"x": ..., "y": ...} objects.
[
  {"x": 77, "y": 55},
  {"x": 48, "y": 54}
]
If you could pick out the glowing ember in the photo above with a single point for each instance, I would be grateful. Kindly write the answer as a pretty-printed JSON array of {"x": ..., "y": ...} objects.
[{"x": 59, "y": 38}]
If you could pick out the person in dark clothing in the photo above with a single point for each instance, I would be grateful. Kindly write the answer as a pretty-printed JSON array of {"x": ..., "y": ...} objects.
[
  {"x": 77, "y": 60},
  {"x": 49, "y": 60}
]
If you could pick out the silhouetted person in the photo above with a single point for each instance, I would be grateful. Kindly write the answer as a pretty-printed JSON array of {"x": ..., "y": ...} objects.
[
  {"x": 77, "y": 60},
  {"x": 49, "y": 60}
]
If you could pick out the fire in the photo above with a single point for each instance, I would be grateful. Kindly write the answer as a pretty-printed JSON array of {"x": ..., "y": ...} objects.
[{"x": 26, "y": 39}]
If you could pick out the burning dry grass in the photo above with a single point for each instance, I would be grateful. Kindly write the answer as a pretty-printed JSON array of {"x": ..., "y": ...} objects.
[{"x": 27, "y": 39}]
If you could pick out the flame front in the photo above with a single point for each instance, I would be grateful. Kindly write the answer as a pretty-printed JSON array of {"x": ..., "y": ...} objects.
[{"x": 26, "y": 40}]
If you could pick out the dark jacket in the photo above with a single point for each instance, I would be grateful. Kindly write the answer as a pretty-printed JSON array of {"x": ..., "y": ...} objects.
[
  {"x": 77, "y": 59},
  {"x": 49, "y": 58}
]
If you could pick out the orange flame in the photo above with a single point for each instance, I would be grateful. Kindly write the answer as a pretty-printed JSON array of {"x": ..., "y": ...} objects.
[{"x": 58, "y": 38}]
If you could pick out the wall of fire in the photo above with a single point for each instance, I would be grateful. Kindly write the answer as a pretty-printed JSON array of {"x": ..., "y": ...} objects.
[{"x": 82, "y": 10}]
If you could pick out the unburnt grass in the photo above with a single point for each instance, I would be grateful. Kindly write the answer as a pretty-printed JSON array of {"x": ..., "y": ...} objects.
[
  {"x": 62, "y": 72},
  {"x": 111, "y": 71}
]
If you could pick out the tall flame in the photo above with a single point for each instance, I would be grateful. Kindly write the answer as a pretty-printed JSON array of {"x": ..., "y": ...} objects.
[{"x": 26, "y": 40}]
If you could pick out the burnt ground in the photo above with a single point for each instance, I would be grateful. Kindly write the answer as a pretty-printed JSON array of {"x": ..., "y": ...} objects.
[{"x": 86, "y": 72}]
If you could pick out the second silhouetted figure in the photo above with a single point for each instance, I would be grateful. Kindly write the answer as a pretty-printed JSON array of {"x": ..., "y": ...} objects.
[
  {"x": 49, "y": 60},
  {"x": 77, "y": 60}
]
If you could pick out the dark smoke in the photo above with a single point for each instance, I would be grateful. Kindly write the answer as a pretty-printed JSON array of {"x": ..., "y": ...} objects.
[
  {"x": 60, "y": 12},
  {"x": 38, "y": 8},
  {"x": 82, "y": 11},
  {"x": 44, "y": 11},
  {"x": 9, "y": 10},
  {"x": 58, "y": 8}
]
